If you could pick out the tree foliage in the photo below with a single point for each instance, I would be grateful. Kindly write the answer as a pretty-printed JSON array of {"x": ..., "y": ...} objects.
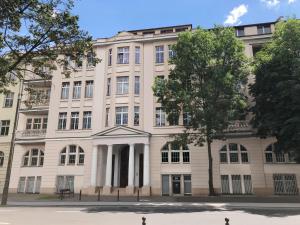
[
  {"x": 37, "y": 33},
  {"x": 210, "y": 69},
  {"x": 276, "y": 90}
]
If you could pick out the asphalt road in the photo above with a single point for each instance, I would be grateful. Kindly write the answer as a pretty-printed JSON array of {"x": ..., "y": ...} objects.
[{"x": 212, "y": 214}]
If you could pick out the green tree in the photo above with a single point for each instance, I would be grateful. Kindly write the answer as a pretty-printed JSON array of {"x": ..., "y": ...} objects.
[
  {"x": 210, "y": 67},
  {"x": 276, "y": 90},
  {"x": 36, "y": 33}
]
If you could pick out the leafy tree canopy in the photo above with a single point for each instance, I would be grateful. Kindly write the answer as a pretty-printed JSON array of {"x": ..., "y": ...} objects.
[
  {"x": 276, "y": 90},
  {"x": 36, "y": 33},
  {"x": 210, "y": 69}
]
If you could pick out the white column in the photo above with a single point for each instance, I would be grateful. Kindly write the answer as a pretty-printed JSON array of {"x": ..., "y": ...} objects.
[
  {"x": 146, "y": 175},
  {"x": 94, "y": 166},
  {"x": 108, "y": 166},
  {"x": 131, "y": 165}
]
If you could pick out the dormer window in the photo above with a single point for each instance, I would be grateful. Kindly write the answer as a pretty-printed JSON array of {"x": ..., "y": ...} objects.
[{"x": 240, "y": 32}]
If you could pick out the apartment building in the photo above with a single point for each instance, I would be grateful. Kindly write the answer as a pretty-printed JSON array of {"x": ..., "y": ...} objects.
[
  {"x": 8, "y": 102},
  {"x": 102, "y": 129}
]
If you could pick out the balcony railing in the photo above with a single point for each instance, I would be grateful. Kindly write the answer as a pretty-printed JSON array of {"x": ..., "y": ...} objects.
[
  {"x": 239, "y": 125},
  {"x": 35, "y": 104},
  {"x": 31, "y": 133}
]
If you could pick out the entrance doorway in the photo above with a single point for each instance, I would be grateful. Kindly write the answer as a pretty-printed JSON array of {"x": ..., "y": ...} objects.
[
  {"x": 124, "y": 167},
  {"x": 176, "y": 184}
]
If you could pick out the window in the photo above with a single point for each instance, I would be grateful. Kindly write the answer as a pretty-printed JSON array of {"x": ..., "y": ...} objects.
[
  {"x": 71, "y": 154},
  {"x": 187, "y": 119},
  {"x": 233, "y": 153},
  {"x": 136, "y": 116},
  {"x": 123, "y": 55},
  {"x": 87, "y": 120},
  {"x": 160, "y": 117},
  {"x": 236, "y": 184},
  {"x": 28, "y": 124},
  {"x": 165, "y": 154},
  {"x": 4, "y": 127},
  {"x": 64, "y": 182},
  {"x": 74, "y": 120},
  {"x": 77, "y": 90},
  {"x": 136, "y": 85},
  {"x": 78, "y": 62},
  {"x": 107, "y": 117},
  {"x": 225, "y": 184},
  {"x": 122, "y": 85},
  {"x": 90, "y": 60},
  {"x": 273, "y": 154},
  {"x": 33, "y": 157},
  {"x": 247, "y": 184},
  {"x": 21, "y": 185},
  {"x": 171, "y": 52},
  {"x": 1, "y": 159},
  {"x": 89, "y": 86},
  {"x": 62, "y": 121},
  {"x": 8, "y": 100},
  {"x": 108, "y": 87},
  {"x": 185, "y": 154},
  {"x": 175, "y": 150},
  {"x": 173, "y": 118},
  {"x": 29, "y": 184},
  {"x": 137, "y": 55},
  {"x": 37, "y": 123},
  {"x": 240, "y": 32},
  {"x": 264, "y": 29},
  {"x": 159, "y": 54},
  {"x": 175, "y": 153},
  {"x": 285, "y": 184},
  {"x": 45, "y": 123},
  {"x": 122, "y": 115},
  {"x": 109, "y": 57},
  {"x": 187, "y": 183},
  {"x": 65, "y": 90}
]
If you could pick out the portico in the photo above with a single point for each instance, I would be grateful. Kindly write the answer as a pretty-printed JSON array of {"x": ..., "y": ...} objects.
[{"x": 121, "y": 159}]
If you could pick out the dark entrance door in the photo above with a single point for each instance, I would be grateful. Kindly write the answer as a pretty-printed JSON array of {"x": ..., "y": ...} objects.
[
  {"x": 141, "y": 170},
  {"x": 124, "y": 167},
  {"x": 176, "y": 184}
]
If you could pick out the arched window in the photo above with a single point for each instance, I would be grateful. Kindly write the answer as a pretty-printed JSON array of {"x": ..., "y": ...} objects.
[
  {"x": 233, "y": 153},
  {"x": 33, "y": 157},
  {"x": 1, "y": 159},
  {"x": 71, "y": 155},
  {"x": 178, "y": 153},
  {"x": 273, "y": 154}
]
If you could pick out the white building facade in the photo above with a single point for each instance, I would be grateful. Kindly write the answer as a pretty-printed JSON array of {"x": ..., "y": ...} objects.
[{"x": 102, "y": 129}]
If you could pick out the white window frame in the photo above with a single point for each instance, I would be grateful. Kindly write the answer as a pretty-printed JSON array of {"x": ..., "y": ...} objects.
[
  {"x": 87, "y": 120},
  {"x": 123, "y": 55},
  {"x": 65, "y": 89},
  {"x": 9, "y": 100},
  {"x": 137, "y": 85},
  {"x": 110, "y": 57},
  {"x": 137, "y": 55},
  {"x": 159, "y": 54},
  {"x": 4, "y": 127},
  {"x": 160, "y": 117},
  {"x": 89, "y": 89},
  {"x": 62, "y": 121},
  {"x": 74, "y": 125},
  {"x": 76, "y": 90},
  {"x": 136, "y": 116},
  {"x": 122, "y": 115},
  {"x": 122, "y": 85}
]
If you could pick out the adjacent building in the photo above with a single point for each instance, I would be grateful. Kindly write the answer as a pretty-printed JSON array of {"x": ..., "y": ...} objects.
[{"x": 102, "y": 129}]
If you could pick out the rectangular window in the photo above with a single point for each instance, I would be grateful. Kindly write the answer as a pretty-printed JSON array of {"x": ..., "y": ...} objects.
[
  {"x": 4, "y": 125},
  {"x": 165, "y": 156},
  {"x": 72, "y": 155},
  {"x": 87, "y": 120},
  {"x": 65, "y": 182},
  {"x": 136, "y": 85},
  {"x": 187, "y": 184},
  {"x": 279, "y": 156},
  {"x": 175, "y": 156},
  {"x": 233, "y": 153},
  {"x": 285, "y": 184},
  {"x": 137, "y": 55},
  {"x": 173, "y": 118},
  {"x": 225, "y": 184},
  {"x": 109, "y": 57},
  {"x": 240, "y": 32},
  {"x": 136, "y": 115},
  {"x": 45, "y": 123},
  {"x": 107, "y": 117},
  {"x": 171, "y": 52},
  {"x": 123, "y": 55},
  {"x": 77, "y": 90},
  {"x": 89, "y": 86},
  {"x": 160, "y": 117},
  {"x": 159, "y": 54},
  {"x": 62, "y": 121},
  {"x": 37, "y": 122},
  {"x": 65, "y": 87},
  {"x": 186, "y": 156},
  {"x": 21, "y": 185},
  {"x": 30, "y": 184},
  {"x": 122, "y": 85},
  {"x": 8, "y": 100},
  {"x": 108, "y": 87},
  {"x": 78, "y": 62},
  {"x": 90, "y": 60},
  {"x": 236, "y": 184},
  {"x": 28, "y": 124},
  {"x": 34, "y": 157},
  {"x": 264, "y": 29},
  {"x": 248, "y": 184},
  {"x": 74, "y": 120},
  {"x": 122, "y": 115}
]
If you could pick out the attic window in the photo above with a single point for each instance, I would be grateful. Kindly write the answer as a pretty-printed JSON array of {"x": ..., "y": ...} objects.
[
  {"x": 181, "y": 29},
  {"x": 166, "y": 31},
  {"x": 148, "y": 32}
]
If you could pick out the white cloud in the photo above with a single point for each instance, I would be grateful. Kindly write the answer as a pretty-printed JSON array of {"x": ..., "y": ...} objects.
[
  {"x": 235, "y": 14},
  {"x": 272, "y": 3},
  {"x": 291, "y": 1}
]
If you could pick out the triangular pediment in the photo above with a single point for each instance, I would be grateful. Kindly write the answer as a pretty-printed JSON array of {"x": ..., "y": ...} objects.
[{"x": 121, "y": 131}]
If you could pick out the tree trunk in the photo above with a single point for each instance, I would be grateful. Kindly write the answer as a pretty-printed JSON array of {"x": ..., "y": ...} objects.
[{"x": 210, "y": 169}]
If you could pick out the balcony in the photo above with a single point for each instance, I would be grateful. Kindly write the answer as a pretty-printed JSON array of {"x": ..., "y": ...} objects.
[
  {"x": 27, "y": 134},
  {"x": 239, "y": 126},
  {"x": 37, "y": 104}
]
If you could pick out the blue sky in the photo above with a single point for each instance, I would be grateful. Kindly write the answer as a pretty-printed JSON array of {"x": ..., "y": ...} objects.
[{"x": 104, "y": 18}]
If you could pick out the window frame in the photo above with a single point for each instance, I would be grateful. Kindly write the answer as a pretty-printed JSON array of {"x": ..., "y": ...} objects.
[
  {"x": 121, "y": 115},
  {"x": 159, "y": 54},
  {"x": 123, "y": 55},
  {"x": 122, "y": 83},
  {"x": 8, "y": 100}
]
